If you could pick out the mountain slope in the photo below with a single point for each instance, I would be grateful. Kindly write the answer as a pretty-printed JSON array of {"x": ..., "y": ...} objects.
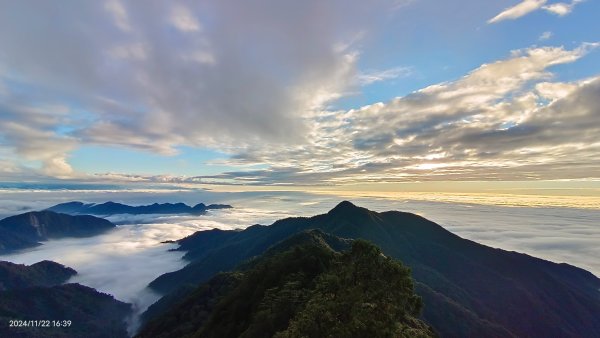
[
  {"x": 34, "y": 293},
  {"x": 91, "y": 313},
  {"x": 301, "y": 287},
  {"x": 502, "y": 293},
  {"x": 44, "y": 273},
  {"x": 26, "y": 230},
  {"x": 112, "y": 208}
]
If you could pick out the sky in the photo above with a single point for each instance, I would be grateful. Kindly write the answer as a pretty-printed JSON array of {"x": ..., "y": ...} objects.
[{"x": 385, "y": 93}]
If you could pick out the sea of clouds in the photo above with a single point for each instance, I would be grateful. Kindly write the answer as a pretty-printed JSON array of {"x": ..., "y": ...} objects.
[{"x": 123, "y": 261}]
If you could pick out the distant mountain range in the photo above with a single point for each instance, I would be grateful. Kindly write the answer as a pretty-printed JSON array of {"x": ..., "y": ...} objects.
[
  {"x": 73, "y": 219},
  {"x": 28, "y": 229},
  {"x": 468, "y": 289},
  {"x": 34, "y": 293},
  {"x": 301, "y": 287},
  {"x": 112, "y": 208}
]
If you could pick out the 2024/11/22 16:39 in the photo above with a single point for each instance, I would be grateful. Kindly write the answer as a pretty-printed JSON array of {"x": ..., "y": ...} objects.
[{"x": 39, "y": 323}]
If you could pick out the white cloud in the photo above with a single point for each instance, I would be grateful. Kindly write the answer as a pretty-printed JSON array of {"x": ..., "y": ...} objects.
[
  {"x": 545, "y": 36},
  {"x": 370, "y": 77},
  {"x": 183, "y": 19},
  {"x": 124, "y": 260},
  {"x": 527, "y": 6},
  {"x": 57, "y": 167},
  {"x": 253, "y": 75},
  {"x": 521, "y": 9},
  {"x": 555, "y": 90},
  {"x": 562, "y": 8},
  {"x": 119, "y": 14},
  {"x": 155, "y": 79},
  {"x": 31, "y": 135},
  {"x": 503, "y": 121}
]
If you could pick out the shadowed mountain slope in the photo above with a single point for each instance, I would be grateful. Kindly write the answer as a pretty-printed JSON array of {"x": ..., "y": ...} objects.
[
  {"x": 34, "y": 296},
  {"x": 44, "y": 273},
  {"x": 28, "y": 229},
  {"x": 301, "y": 287}
]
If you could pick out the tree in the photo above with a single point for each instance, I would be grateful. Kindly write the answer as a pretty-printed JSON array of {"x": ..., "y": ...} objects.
[{"x": 365, "y": 294}]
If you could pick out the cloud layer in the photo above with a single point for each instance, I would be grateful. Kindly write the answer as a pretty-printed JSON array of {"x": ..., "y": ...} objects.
[
  {"x": 163, "y": 75},
  {"x": 255, "y": 82},
  {"x": 123, "y": 261},
  {"x": 505, "y": 120}
]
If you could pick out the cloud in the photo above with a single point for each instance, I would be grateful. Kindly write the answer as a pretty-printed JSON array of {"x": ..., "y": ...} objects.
[
  {"x": 131, "y": 51},
  {"x": 31, "y": 133},
  {"x": 370, "y": 77},
  {"x": 505, "y": 120},
  {"x": 116, "y": 9},
  {"x": 557, "y": 234},
  {"x": 527, "y": 6},
  {"x": 398, "y": 4},
  {"x": 123, "y": 261},
  {"x": 555, "y": 90},
  {"x": 521, "y": 9},
  {"x": 545, "y": 36},
  {"x": 166, "y": 75},
  {"x": 562, "y": 8},
  {"x": 209, "y": 74},
  {"x": 184, "y": 20}
]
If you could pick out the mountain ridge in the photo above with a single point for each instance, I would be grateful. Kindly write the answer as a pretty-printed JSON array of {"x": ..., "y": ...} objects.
[
  {"x": 29, "y": 229},
  {"x": 476, "y": 281},
  {"x": 41, "y": 274},
  {"x": 113, "y": 208},
  {"x": 301, "y": 287}
]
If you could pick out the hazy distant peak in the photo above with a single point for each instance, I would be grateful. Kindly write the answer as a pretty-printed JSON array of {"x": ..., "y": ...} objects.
[{"x": 113, "y": 208}]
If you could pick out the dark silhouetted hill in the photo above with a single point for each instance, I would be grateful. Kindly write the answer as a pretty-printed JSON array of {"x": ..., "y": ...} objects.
[
  {"x": 28, "y": 229},
  {"x": 44, "y": 273},
  {"x": 92, "y": 314},
  {"x": 34, "y": 293}
]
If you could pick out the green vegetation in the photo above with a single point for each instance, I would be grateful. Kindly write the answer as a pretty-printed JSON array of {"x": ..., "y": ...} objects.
[
  {"x": 364, "y": 294},
  {"x": 470, "y": 290},
  {"x": 302, "y": 288}
]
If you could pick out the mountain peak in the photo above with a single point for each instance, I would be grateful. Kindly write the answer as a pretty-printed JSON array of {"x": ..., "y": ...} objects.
[{"x": 344, "y": 207}]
